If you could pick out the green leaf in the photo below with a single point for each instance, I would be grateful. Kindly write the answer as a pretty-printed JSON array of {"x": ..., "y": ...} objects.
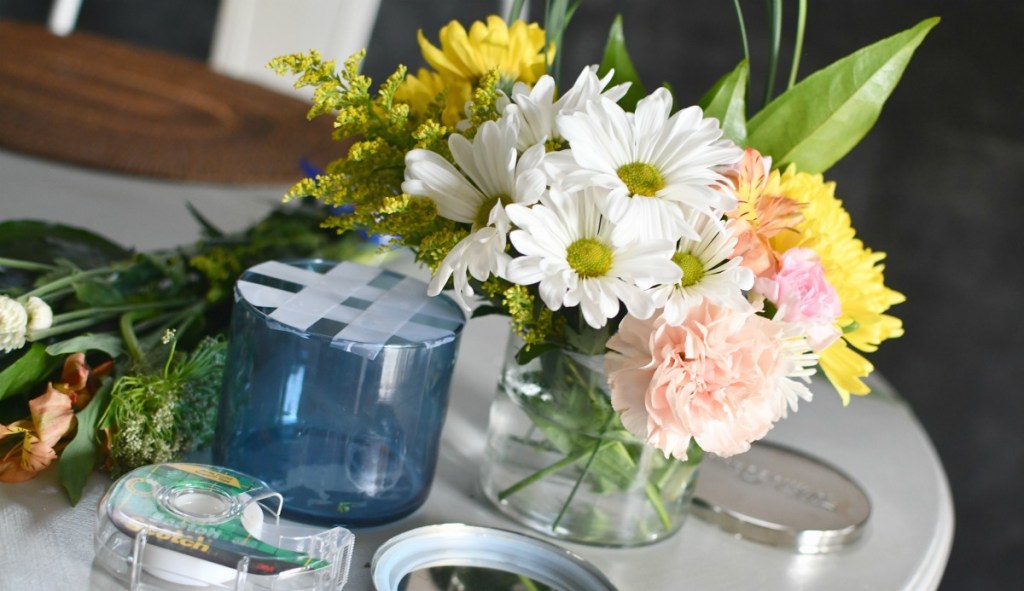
[
  {"x": 819, "y": 120},
  {"x": 98, "y": 293},
  {"x": 45, "y": 242},
  {"x": 486, "y": 310},
  {"x": 105, "y": 342},
  {"x": 528, "y": 354},
  {"x": 30, "y": 369},
  {"x": 726, "y": 101},
  {"x": 79, "y": 458},
  {"x": 616, "y": 57},
  {"x": 209, "y": 229}
]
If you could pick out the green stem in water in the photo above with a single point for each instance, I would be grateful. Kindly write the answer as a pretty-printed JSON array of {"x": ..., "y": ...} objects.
[
  {"x": 654, "y": 496},
  {"x": 565, "y": 462},
  {"x": 583, "y": 474},
  {"x": 798, "y": 46}
]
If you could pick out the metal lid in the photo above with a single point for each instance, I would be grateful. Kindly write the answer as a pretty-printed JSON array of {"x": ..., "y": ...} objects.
[
  {"x": 454, "y": 555},
  {"x": 780, "y": 496}
]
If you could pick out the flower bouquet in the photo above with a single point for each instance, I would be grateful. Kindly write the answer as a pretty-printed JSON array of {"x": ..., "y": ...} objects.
[{"x": 673, "y": 275}]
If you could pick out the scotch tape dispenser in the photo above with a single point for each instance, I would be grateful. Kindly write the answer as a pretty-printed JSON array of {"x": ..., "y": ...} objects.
[{"x": 200, "y": 526}]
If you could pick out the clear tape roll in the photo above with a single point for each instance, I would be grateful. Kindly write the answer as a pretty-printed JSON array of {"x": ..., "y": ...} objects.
[{"x": 205, "y": 526}]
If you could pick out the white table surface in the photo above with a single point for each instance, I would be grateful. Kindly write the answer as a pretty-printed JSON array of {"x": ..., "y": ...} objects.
[{"x": 45, "y": 544}]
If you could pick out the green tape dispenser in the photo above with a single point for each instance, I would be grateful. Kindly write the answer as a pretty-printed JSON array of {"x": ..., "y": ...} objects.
[{"x": 205, "y": 526}]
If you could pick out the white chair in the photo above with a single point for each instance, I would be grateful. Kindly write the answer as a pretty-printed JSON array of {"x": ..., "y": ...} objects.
[{"x": 249, "y": 33}]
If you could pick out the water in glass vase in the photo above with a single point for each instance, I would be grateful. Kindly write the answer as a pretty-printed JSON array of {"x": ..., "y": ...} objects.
[{"x": 559, "y": 461}]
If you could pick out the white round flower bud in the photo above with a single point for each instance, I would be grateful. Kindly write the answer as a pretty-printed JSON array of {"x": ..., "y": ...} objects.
[
  {"x": 13, "y": 322},
  {"x": 40, "y": 316}
]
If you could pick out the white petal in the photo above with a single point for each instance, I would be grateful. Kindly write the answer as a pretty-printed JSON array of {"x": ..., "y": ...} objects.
[{"x": 429, "y": 175}]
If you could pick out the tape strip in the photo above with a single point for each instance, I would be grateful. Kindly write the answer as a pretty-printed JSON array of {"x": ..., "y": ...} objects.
[{"x": 374, "y": 307}]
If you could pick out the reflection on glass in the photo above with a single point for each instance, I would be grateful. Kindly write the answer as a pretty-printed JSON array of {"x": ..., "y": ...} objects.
[{"x": 468, "y": 578}]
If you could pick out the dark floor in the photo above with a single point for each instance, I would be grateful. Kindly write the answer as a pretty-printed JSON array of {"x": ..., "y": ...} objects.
[{"x": 938, "y": 184}]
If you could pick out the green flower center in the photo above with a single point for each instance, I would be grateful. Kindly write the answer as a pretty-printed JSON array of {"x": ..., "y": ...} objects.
[
  {"x": 484, "y": 213},
  {"x": 555, "y": 144},
  {"x": 589, "y": 258},
  {"x": 692, "y": 268},
  {"x": 641, "y": 179}
]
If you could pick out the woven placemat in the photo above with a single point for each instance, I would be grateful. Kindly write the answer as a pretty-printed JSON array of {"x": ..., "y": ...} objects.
[{"x": 99, "y": 103}]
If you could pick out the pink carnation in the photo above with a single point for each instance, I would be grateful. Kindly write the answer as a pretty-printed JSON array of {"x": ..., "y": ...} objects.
[
  {"x": 722, "y": 377},
  {"x": 804, "y": 296}
]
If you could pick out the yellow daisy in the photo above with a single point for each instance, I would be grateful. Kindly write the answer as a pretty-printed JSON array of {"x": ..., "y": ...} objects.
[
  {"x": 517, "y": 52},
  {"x": 853, "y": 270}
]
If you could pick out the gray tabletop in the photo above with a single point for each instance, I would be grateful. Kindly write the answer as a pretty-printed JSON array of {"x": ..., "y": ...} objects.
[{"x": 45, "y": 544}]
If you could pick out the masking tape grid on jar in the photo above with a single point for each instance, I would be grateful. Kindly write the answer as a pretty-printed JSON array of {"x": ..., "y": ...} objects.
[{"x": 372, "y": 307}]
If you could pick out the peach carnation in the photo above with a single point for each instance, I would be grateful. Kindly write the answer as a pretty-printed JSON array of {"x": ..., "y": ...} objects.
[{"x": 723, "y": 377}]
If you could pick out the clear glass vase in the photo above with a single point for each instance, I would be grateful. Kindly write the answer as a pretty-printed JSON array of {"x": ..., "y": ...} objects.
[{"x": 559, "y": 461}]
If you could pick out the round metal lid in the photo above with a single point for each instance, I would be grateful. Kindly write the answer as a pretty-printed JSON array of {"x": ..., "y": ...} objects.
[
  {"x": 453, "y": 555},
  {"x": 779, "y": 496}
]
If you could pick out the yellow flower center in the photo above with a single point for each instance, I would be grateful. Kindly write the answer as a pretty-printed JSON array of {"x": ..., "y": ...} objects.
[
  {"x": 641, "y": 179},
  {"x": 484, "y": 213},
  {"x": 589, "y": 257},
  {"x": 692, "y": 268}
]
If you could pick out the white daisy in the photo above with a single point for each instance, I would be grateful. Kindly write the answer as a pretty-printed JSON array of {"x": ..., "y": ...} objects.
[
  {"x": 654, "y": 167},
  {"x": 537, "y": 109},
  {"x": 490, "y": 175},
  {"x": 571, "y": 250},
  {"x": 708, "y": 272}
]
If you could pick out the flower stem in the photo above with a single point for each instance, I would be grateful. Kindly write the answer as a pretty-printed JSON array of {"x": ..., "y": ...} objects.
[
  {"x": 583, "y": 474},
  {"x": 65, "y": 281},
  {"x": 565, "y": 462},
  {"x": 743, "y": 30},
  {"x": 63, "y": 328},
  {"x": 131, "y": 340},
  {"x": 775, "y": 38},
  {"x": 108, "y": 310},
  {"x": 654, "y": 496},
  {"x": 25, "y": 265},
  {"x": 798, "y": 46}
]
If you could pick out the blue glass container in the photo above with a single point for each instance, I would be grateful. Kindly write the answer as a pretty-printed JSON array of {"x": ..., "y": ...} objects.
[{"x": 336, "y": 388}]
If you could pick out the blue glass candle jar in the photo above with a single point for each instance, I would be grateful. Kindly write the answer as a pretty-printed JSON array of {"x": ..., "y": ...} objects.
[{"x": 336, "y": 388}]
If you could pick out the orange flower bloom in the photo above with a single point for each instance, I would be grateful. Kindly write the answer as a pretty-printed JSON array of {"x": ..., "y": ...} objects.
[
  {"x": 761, "y": 213},
  {"x": 30, "y": 445}
]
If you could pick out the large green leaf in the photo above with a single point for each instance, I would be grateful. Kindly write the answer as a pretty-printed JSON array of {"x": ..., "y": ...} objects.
[
  {"x": 45, "y": 242},
  {"x": 727, "y": 102},
  {"x": 108, "y": 343},
  {"x": 819, "y": 120},
  {"x": 79, "y": 458},
  {"x": 28, "y": 370},
  {"x": 617, "y": 57}
]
